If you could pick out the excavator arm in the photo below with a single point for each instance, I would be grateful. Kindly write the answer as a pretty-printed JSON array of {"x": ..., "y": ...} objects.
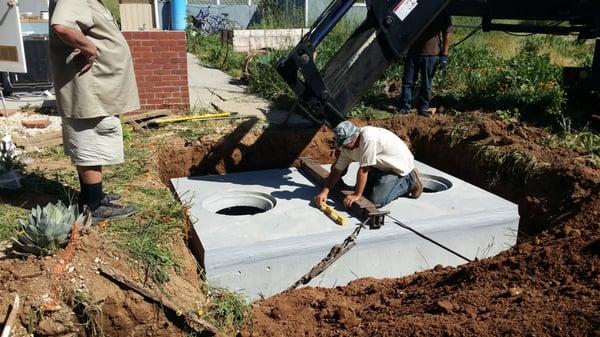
[
  {"x": 390, "y": 28},
  {"x": 328, "y": 94}
]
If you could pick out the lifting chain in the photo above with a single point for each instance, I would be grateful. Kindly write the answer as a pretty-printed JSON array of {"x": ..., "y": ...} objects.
[{"x": 334, "y": 254}]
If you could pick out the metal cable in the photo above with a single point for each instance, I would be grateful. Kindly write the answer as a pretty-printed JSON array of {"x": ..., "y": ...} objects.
[{"x": 399, "y": 223}]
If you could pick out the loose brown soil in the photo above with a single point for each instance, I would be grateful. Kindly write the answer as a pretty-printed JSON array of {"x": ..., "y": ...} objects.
[{"x": 549, "y": 285}]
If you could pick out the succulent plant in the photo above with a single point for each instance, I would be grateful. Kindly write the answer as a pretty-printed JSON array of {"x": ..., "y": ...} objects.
[{"x": 48, "y": 229}]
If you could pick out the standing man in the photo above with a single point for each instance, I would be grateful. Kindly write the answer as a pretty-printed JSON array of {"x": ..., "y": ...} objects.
[
  {"x": 427, "y": 53},
  {"x": 387, "y": 168},
  {"x": 94, "y": 83}
]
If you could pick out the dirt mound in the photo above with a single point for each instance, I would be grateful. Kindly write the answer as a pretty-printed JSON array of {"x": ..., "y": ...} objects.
[
  {"x": 549, "y": 285},
  {"x": 63, "y": 295}
]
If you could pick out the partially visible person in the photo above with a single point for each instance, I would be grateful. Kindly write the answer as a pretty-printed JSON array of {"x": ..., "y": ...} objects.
[
  {"x": 429, "y": 52},
  {"x": 387, "y": 169},
  {"x": 94, "y": 83},
  {"x": 5, "y": 84}
]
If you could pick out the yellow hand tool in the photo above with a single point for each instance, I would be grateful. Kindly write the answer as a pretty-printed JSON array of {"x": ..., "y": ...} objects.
[
  {"x": 333, "y": 214},
  {"x": 189, "y": 118}
]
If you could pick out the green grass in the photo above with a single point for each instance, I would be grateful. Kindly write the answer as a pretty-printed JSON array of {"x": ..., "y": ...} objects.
[
  {"x": 212, "y": 52},
  {"x": 9, "y": 223},
  {"x": 271, "y": 15},
  {"x": 505, "y": 165},
  {"x": 227, "y": 310},
  {"x": 584, "y": 141},
  {"x": 161, "y": 218}
]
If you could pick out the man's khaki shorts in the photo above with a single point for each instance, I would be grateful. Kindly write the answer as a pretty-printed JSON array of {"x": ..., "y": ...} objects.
[{"x": 93, "y": 141}]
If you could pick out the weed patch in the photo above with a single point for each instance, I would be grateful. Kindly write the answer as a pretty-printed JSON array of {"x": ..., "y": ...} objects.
[
  {"x": 136, "y": 164},
  {"x": 584, "y": 141},
  {"x": 227, "y": 310},
  {"x": 211, "y": 51},
  {"x": 505, "y": 165},
  {"x": 9, "y": 220},
  {"x": 147, "y": 236},
  {"x": 88, "y": 312}
]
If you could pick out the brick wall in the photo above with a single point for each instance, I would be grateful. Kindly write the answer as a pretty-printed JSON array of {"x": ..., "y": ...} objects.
[{"x": 160, "y": 63}]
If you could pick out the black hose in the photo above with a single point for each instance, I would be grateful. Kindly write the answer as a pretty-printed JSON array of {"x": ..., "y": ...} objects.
[
  {"x": 399, "y": 223},
  {"x": 475, "y": 30}
]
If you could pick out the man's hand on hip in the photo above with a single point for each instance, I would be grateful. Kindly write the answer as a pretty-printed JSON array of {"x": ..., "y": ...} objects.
[
  {"x": 84, "y": 59},
  {"x": 84, "y": 51},
  {"x": 87, "y": 59}
]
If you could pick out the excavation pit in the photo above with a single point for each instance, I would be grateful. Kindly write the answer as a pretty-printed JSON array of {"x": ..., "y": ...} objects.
[{"x": 271, "y": 234}]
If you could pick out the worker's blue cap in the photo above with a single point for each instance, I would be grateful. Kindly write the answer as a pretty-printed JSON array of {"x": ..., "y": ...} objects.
[{"x": 345, "y": 133}]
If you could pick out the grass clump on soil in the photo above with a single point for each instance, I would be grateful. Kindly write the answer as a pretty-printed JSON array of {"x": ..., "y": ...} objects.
[
  {"x": 505, "y": 165},
  {"x": 88, "y": 312},
  {"x": 146, "y": 237},
  {"x": 228, "y": 311},
  {"x": 584, "y": 141}
]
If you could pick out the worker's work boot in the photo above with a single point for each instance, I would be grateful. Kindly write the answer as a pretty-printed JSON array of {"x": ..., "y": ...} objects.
[
  {"x": 108, "y": 197},
  {"x": 111, "y": 211},
  {"x": 418, "y": 189},
  {"x": 113, "y": 196},
  {"x": 425, "y": 113}
]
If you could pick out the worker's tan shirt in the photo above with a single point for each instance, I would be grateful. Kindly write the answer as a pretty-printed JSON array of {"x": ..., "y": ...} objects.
[{"x": 109, "y": 87}]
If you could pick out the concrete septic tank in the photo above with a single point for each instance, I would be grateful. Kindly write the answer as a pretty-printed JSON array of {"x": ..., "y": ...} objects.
[{"x": 258, "y": 233}]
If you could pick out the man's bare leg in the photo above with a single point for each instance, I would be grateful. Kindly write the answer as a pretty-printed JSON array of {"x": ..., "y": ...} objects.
[
  {"x": 90, "y": 174},
  {"x": 90, "y": 179}
]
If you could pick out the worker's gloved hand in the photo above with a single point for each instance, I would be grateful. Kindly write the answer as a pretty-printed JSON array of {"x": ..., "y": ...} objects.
[{"x": 443, "y": 62}]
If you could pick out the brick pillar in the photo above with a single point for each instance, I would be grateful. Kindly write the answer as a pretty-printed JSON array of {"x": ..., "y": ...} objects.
[{"x": 160, "y": 63}]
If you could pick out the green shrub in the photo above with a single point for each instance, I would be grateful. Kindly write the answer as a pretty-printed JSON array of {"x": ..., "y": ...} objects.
[
  {"x": 271, "y": 14},
  {"x": 527, "y": 83},
  {"x": 264, "y": 80},
  {"x": 211, "y": 51}
]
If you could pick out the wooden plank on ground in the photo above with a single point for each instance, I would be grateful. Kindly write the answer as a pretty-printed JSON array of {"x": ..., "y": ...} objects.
[
  {"x": 191, "y": 319},
  {"x": 12, "y": 317},
  {"x": 41, "y": 140},
  {"x": 143, "y": 115}
]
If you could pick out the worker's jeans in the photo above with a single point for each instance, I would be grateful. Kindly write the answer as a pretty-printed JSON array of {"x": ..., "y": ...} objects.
[
  {"x": 385, "y": 187},
  {"x": 414, "y": 66}
]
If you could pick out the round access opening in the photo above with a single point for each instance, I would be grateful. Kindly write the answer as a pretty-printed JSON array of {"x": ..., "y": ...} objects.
[
  {"x": 239, "y": 203},
  {"x": 433, "y": 184}
]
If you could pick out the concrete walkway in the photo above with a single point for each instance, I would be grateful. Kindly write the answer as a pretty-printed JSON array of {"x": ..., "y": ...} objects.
[{"x": 209, "y": 85}]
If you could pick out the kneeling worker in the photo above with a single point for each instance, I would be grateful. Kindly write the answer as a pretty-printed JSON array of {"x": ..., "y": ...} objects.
[{"x": 387, "y": 169}]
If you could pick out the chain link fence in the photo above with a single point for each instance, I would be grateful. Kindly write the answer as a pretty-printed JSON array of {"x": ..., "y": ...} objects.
[{"x": 270, "y": 13}]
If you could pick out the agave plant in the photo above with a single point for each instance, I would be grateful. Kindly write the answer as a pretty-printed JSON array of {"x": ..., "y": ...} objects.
[{"x": 48, "y": 229}]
